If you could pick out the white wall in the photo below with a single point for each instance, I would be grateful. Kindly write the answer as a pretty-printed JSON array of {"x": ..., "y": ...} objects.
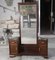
[{"x": 6, "y": 15}]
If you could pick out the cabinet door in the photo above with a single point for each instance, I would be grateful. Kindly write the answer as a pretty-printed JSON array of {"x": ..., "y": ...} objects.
[
  {"x": 13, "y": 48},
  {"x": 43, "y": 49}
]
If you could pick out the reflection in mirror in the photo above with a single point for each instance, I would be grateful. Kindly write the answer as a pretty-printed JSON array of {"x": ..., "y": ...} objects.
[{"x": 28, "y": 30}]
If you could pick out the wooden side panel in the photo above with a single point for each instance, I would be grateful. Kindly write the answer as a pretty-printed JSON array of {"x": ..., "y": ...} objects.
[
  {"x": 13, "y": 47},
  {"x": 43, "y": 48}
]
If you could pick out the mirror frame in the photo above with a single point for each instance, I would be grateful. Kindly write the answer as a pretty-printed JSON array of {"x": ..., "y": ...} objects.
[{"x": 27, "y": 3}]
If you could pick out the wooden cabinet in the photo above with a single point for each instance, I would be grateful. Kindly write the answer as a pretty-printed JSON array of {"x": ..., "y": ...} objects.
[
  {"x": 43, "y": 47},
  {"x": 40, "y": 49},
  {"x": 14, "y": 47}
]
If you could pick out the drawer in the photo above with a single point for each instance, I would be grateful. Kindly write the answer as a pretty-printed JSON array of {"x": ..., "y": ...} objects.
[
  {"x": 42, "y": 42},
  {"x": 13, "y": 42}
]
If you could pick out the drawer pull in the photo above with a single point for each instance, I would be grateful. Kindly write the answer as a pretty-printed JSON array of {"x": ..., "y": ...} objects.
[
  {"x": 12, "y": 42},
  {"x": 42, "y": 42}
]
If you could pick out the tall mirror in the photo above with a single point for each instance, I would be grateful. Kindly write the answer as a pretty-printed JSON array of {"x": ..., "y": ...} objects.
[{"x": 28, "y": 22}]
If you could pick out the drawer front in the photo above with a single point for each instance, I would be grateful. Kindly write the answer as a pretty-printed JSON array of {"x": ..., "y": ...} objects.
[
  {"x": 42, "y": 42},
  {"x": 43, "y": 46},
  {"x": 13, "y": 42}
]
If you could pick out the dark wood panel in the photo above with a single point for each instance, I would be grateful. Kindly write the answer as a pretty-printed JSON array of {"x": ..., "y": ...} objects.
[
  {"x": 43, "y": 47},
  {"x": 29, "y": 49},
  {"x": 14, "y": 47},
  {"x": 40, "y": 49}
]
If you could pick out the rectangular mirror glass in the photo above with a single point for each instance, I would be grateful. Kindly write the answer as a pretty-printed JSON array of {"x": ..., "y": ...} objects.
[{"x": 28, "y": 23}]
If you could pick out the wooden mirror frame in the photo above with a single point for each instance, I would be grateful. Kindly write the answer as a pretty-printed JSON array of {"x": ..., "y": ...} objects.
[
  {"x": 29, "y": 1},
  {"x": 36, "y": 15}
]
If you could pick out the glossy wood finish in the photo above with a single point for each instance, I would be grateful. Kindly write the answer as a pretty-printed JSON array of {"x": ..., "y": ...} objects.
[
  {"x": 40, "y": 49},
  {"x": 14, "y": 47},
  {"x": 43, "y": 47}
]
